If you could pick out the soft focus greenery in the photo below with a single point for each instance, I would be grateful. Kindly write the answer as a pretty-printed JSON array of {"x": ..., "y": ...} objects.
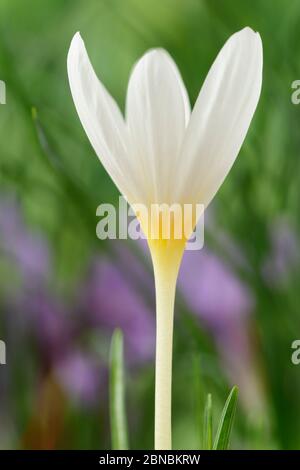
[{"x": 47, "y": 162}]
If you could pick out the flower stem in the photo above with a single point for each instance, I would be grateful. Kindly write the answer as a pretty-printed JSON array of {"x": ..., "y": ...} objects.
[{"x": 166, "y": 264}]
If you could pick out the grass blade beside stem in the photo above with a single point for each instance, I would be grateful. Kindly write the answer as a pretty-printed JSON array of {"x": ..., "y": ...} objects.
[
  {"x": 118, "y": 422},
  {"x": 226, "y": 421},
  {"x": 207, "y": 427}
]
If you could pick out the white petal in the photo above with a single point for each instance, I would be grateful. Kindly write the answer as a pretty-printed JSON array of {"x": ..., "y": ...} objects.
[
  {"x": 157, "y": 112},
  {"x": 221, "y": 118},
  {"x": 101, "y": 119}
]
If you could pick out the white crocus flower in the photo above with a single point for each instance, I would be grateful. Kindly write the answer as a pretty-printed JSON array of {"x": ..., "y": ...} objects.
[{"x": 164, "y": 153}]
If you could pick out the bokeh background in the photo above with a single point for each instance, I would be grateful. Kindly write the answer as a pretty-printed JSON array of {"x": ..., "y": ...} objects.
[{"x": 63, "y": 291}]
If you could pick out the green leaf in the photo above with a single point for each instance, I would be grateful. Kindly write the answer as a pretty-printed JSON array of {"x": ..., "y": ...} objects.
[
  {"x": 207, "y": 426},
  {"x": 226, "y": 420},
  {"x": 117, "y": 396}
]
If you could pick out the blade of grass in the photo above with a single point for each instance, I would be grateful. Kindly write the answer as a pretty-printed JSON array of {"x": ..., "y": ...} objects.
[
  {"x": 117, "y": 396},
  {"x": 207, "y": 424},
  {"x": 225, "y": 425}
]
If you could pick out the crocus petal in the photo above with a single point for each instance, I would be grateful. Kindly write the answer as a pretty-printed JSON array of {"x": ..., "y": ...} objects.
[
  {"x": 220, "y": 118},
  {"x": 101, "y": 118},
  {"x": 157, "y": 112}
]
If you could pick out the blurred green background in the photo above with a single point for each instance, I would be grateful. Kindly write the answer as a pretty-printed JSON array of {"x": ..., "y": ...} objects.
[{"x": 63, "y": 291}]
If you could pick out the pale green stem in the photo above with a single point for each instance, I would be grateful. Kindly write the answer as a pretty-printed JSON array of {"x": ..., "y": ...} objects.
[{"x": 166, "y": 267}]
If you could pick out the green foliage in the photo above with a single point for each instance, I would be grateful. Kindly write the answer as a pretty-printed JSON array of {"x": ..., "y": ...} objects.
[
  {"x": 226, "y": 421},
  {"x": 118, "y": 423}
]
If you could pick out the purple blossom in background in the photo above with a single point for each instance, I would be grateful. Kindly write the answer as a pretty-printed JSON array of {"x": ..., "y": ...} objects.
[
  {"x": 26, "y": 249},
  {"x": 81, "y": 377},
  {"x": 111, "y": 301},
  {"x": 283, "y": 259},
  {"x": 50, "y": 323},
  {"x": 56, "y": 332},
  {"x": 212, "y": 290}
]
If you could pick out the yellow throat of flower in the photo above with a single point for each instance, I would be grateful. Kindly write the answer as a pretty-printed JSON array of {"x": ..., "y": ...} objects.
[{"x": 167, "y": 229}]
